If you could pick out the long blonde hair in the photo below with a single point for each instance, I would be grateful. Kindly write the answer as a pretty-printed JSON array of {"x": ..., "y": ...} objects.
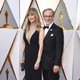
[{"x": 38, "y": 23}]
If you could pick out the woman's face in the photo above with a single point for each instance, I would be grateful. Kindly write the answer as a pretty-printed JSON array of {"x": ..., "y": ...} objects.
[{"x": 31, "y": 17}]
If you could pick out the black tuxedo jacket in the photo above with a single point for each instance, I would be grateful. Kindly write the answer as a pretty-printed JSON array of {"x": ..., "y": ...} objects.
[{"x": 52, "y": 47}]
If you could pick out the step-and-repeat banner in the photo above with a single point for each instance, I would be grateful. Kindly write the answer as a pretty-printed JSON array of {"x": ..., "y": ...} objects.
[{"x": 67, "y": 14}]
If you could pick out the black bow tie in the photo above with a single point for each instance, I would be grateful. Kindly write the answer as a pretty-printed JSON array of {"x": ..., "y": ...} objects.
[{"x": 46, "y": 27}]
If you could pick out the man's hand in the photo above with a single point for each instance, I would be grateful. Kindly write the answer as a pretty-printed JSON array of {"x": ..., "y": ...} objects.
[{"x": 56, "y": 69}]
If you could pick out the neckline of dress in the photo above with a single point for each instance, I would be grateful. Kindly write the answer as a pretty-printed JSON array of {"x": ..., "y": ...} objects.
[{"x": 29, "y": 41}]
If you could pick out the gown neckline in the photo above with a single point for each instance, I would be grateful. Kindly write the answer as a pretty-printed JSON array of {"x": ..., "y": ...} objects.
[{"x": 29, "y": 41}]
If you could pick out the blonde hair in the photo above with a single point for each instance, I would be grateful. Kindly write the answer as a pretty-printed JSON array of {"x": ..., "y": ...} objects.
[{"x": 38, "y": 23}]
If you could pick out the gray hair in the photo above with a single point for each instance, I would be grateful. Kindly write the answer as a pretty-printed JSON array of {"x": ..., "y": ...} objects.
[{"x": 47, "y": 10}]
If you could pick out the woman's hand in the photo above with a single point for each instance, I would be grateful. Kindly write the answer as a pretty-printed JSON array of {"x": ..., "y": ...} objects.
[
  {"x": 56, "y": 69},
  {"x": 36, "y": 66},
  {"x": 22, "y": 64}
]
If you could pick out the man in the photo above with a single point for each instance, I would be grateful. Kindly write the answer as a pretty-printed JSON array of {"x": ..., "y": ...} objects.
[{"x": 53, "y": 47}]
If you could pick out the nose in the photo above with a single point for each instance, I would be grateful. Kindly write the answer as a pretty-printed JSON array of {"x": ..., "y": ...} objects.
[{"x": 47, "y": 18}]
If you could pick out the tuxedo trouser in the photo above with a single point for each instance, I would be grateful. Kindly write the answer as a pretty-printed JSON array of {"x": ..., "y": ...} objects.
[{"x": 48, "y": 74}]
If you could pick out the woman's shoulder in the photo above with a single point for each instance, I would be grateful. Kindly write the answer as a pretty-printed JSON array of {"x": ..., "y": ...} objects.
[{"x": 41, "y": 30}]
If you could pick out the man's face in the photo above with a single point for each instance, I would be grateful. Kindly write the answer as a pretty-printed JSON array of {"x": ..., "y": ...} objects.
[{"x": 48, "y": 17}]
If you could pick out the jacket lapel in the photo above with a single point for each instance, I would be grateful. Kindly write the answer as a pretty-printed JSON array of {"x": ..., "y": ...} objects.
[{"x": 48, "y": 33}]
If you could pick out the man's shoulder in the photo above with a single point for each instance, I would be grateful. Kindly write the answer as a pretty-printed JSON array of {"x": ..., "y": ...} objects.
[{"x": 57, "y": 27}]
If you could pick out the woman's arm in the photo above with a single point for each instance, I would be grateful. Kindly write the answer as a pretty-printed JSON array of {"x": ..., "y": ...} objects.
[
  {"x": 41, "y": 37},
  {"x": 22, "y": 50}
]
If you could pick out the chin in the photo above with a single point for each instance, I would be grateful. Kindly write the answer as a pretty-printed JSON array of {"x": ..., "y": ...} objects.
[{"x": 47, "y": 23}]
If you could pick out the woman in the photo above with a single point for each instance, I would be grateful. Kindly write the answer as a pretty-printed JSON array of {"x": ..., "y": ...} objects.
[{"x": 32, "y": 46}]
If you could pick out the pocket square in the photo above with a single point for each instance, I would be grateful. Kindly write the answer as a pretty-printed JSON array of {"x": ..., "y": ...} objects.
[{"x": 51, "y": 35}]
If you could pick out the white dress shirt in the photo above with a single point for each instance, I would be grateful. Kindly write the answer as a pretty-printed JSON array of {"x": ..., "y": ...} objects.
[{"x": 47, "y": 29}]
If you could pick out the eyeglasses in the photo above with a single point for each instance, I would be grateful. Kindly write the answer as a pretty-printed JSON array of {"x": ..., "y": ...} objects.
[{"x": 45, "y": 16}]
